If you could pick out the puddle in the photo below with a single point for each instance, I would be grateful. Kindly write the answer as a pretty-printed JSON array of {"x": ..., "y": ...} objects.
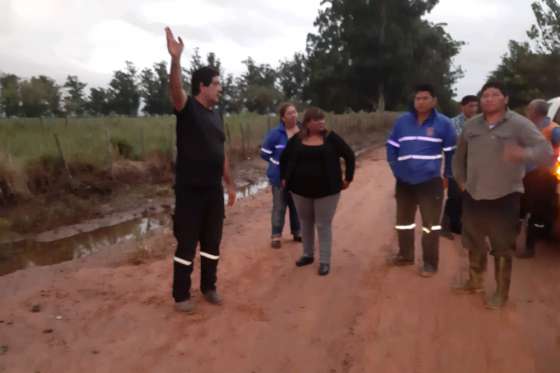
[{"x": 80, "y": 240}]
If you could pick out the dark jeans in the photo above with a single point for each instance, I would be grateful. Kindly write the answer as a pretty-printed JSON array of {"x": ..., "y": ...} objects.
[
  {"x": 199, "y": 217},
  {"x": 282, "y": 200},
  {"x": 428, "y": 197},
  {"x": 540, "y": 203},
  {"x": 453, "y": 208},
  {"x": 496, "y": 219}
]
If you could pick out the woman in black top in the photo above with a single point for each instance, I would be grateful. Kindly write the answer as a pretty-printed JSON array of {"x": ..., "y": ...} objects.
[{"x": 310, "y": 169}]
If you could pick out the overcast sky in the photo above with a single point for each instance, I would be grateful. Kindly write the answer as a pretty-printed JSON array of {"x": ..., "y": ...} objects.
[{"x": 91, "y": 39}]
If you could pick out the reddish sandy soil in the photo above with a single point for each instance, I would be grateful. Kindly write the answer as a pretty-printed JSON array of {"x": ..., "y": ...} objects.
[{"x": 101, "y": 314}]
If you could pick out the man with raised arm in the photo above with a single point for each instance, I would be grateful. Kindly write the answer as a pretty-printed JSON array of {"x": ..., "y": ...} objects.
[{"x": 201, "y": 165}]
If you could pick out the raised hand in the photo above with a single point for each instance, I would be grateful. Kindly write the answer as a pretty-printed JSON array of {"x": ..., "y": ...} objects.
[{"x": 174, "y": 47}]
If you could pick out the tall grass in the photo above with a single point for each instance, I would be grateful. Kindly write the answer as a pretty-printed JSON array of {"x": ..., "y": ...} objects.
[{"x": 93, "y": 140}]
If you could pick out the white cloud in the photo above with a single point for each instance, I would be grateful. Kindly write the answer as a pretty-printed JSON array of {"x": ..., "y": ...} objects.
[
  {"x": 91, "y": 39},
  {"x": 115, "y": 41},
  {"x": 486, "y": 27}
]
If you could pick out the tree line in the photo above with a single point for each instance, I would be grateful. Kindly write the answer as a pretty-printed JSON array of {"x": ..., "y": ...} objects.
[
  {"x": 365, "y": 55},
  {"x": 531, "y": 69}
]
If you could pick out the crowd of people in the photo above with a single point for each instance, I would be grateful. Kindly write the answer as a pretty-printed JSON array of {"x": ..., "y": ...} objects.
[{"x": 496, "y": 165}]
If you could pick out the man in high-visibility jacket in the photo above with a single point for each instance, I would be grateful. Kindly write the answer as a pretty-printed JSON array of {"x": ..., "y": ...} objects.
[
  {"x": 540, "y": 201},
  {"x": 419, "y": 141}
]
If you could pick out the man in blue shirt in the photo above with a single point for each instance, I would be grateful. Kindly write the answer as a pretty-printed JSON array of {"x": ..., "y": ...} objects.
[
  {"x": 420, "y": 139},
  {"x": 469, "y": 108},
  {"x": 451, "y": 221}
]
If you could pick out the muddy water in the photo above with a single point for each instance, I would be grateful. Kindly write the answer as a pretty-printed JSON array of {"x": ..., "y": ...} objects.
[{"x": 80, "y": 240}]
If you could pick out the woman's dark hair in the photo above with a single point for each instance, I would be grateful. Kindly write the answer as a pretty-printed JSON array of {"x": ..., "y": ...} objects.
[
  {"x": 283, "y": 108},
  {"x": 203, "y": 75},
  {"x": 312, "y": 113}
]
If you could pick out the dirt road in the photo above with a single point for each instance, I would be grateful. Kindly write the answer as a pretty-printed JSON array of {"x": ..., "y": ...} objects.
[{"x": 363, "y": 317}]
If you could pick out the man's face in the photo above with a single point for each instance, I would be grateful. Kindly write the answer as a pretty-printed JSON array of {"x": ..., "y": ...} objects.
[
  {"x": 213, "y": 91},
  {"x": 493, "y": 101},
  {"x": 424, "y": 102},
  {"x": 469, "y": 110}
]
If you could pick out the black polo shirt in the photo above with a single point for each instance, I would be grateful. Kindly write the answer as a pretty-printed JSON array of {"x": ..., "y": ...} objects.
[{"x": 200, "y": 146}]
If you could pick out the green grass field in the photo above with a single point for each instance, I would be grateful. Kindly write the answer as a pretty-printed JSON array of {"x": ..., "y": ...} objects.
[{"x": 96, "y": 140}]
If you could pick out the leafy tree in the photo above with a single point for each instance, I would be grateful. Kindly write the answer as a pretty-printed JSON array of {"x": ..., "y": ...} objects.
[
  {"x": 124, "y": 93},
  {"x": 40, "y": 96},
  {"x": 257, "y": 86},
  {"x": 368, "y": 54},
  {"x": 293, "y": 77},
  {"x": 527, "y": 74},
  {"x": 546, "y": 33},
  {"x": 10, "y": 95},
  {"x": 98, "y": 102},
  {"x": 74, "y": 101},
  {"x": 154, "y": 89}
]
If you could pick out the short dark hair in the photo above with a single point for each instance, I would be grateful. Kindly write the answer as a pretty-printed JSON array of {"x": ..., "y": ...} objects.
[
  {"x": 284, "y": 107},
  {"x": 203, "y": 75},
  {"x": 468, "y": 99},
  {"x": 496, "y": 85},
  {"x": 425, "y": 87}
]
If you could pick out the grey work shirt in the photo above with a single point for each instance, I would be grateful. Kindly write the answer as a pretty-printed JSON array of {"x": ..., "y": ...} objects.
[{"x": 479, "y": 162}]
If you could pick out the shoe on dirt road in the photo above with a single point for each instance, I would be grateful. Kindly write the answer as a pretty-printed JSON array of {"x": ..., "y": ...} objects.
[
  {"x": 304, "y": 260},
  {"x": 212, "y": 297},
  {"x": 186, "y": 306},
  {"x": 324, "y": 269},
  {"x": 276, "y": 244},
  {"x": 400, "y": 261},
  {"x": 428, "y": 271}
]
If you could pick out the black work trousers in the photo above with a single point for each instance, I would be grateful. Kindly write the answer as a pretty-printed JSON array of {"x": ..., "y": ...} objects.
[
  {"x": 540, "y": 203},
  {"x": 427, "y": 196},
  {"x": 453, "y": 208},
  {"x": 198, "y": 218}
]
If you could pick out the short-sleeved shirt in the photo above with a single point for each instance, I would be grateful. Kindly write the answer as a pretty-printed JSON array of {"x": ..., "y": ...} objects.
[{"x": 200, "y": 146}]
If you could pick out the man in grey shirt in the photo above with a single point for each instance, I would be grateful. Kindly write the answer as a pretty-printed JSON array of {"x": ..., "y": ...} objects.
[{"x": 489, "y": 165}]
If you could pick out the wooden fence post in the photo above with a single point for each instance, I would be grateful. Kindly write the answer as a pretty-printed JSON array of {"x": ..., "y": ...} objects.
[
  {"x": 109, "y": 151},
  {"x": 61, "y": 155}
]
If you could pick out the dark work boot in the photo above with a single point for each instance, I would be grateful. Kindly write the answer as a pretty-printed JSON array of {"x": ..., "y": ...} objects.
[
  {"x": 304, "y": 260},
  {"x": 477, "y": 267},
  {"x": 400, "y": 261},
  {"x": 503, "y": 266},
  {"x": 212, "y": 297}
]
